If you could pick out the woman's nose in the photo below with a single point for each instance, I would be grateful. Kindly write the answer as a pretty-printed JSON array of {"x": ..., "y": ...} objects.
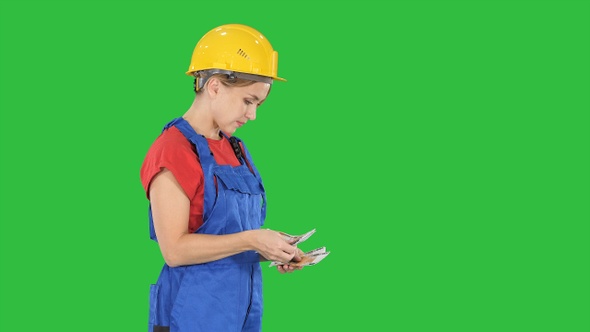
[{"x": 251, "y": 114}]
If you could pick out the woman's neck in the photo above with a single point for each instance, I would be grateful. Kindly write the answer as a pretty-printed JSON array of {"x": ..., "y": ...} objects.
[{"x": 202, "y": 121}]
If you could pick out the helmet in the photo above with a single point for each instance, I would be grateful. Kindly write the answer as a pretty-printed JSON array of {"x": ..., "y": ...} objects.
[{"x": 236, "y": 50}]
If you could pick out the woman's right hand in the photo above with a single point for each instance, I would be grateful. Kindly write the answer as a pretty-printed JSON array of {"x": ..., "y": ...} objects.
[{"x": 272, "y": 246}]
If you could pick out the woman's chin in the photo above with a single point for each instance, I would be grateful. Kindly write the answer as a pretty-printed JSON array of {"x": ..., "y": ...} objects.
[{"x": 229, "y": 132}]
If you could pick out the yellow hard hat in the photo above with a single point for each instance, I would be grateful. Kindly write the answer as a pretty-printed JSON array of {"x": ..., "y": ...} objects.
[{"x": 237, "y": 50}]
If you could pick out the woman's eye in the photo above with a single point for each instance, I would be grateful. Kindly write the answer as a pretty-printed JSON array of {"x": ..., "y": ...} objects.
[{"x": 247, "y": 102}]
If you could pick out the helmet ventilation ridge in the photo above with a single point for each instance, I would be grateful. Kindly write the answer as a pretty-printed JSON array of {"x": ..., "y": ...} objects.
[{"x": 242, "y": 53}]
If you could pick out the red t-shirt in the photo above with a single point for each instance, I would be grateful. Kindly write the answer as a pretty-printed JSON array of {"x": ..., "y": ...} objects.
[{"x": 171, "y": 150}]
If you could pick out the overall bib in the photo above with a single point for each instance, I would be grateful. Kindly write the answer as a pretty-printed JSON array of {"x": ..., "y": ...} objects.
[{"x": 223, "y": 295}]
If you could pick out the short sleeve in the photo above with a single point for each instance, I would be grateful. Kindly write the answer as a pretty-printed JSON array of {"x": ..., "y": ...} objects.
[{"x": 171, "y": 150}]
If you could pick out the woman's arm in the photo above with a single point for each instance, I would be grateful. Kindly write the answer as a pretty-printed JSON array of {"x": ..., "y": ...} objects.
[{"x": 170, "y": 212}]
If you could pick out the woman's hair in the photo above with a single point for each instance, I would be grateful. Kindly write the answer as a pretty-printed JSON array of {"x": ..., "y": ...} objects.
[{"x": 227, "y": 81}]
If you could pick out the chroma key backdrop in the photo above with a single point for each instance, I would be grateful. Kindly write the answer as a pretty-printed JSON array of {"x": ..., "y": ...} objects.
[{"x": 441, "y": 150}]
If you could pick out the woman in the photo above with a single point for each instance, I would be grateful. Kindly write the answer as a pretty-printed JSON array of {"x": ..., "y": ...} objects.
[{"x": 207, "y": 202}]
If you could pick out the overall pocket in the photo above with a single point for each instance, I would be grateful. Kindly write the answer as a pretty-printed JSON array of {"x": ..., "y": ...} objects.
[
  {"x": 239, "y": 202},
  {"x": 238, "y": 179}
]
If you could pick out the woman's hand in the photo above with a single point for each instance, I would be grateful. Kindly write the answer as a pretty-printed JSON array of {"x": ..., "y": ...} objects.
[
  {"x": 287, "y": 268},
  {"x": 272, "y": 246}
]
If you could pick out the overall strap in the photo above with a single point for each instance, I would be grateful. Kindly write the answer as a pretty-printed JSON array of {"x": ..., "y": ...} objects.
[
  {"x": 206, "y": 160},
  {"x": 244, "y": 155}
]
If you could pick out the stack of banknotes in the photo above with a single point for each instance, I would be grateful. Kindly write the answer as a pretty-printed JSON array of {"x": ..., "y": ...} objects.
[{"x": 309, "y": 258}]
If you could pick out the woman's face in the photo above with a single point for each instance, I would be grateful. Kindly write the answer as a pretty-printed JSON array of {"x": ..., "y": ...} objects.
[{"x": 234, "y": 106}]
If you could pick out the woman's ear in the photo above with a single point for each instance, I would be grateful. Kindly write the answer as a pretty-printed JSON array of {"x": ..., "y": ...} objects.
[{"x": 212, "y": 87}]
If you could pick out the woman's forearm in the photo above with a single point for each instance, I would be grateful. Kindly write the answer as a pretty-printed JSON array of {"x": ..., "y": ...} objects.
[
  {"x": 170, "y": 212},
  {"x": 202, "y": 248}
]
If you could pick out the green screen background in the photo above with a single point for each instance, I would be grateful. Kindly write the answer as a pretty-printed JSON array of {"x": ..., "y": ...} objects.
[{"x": 440, "y": 148}]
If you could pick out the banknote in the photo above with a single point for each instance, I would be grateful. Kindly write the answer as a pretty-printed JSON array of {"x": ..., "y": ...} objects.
[
  {"x": 295, "y": 239},
  {"x": 307, "y": 259}
]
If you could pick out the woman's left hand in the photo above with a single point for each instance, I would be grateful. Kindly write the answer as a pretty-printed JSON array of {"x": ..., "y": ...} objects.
[{"x": 286, "y": 268}]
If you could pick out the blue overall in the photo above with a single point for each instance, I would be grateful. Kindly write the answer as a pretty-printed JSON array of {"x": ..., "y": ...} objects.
[{"x": 226, "y": 294}]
